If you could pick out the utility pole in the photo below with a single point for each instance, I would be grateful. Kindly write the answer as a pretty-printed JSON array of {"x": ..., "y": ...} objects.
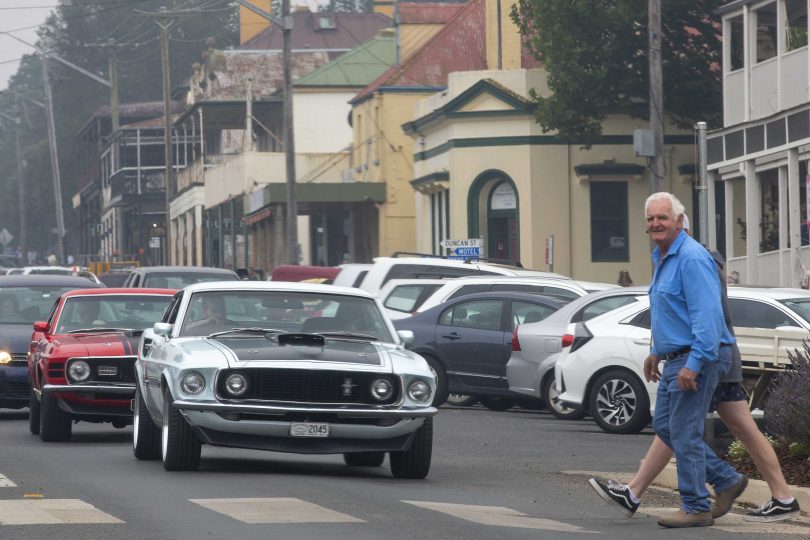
[
  {"x": 57, "y": 180},
  {"x": 164, "y": 24},
  {"x": 657, "y": 164},
  {"x": 286, "y": 25},
  {"x": 112, "y": 61},
  {"x": 21, "y": 187},
  {"x": 703, "y": 185}
]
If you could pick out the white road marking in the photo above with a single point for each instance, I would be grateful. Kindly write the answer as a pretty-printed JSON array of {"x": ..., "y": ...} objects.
[
  {"x": 5, "y": 482},
  {"x": 275, "y": 510},
  {"x": 734, "y": 523},
  {"x": 498, "y": 516},
  {"x": 51, "y": 511}
]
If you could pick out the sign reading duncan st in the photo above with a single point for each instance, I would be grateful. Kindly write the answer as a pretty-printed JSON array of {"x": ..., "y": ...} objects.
[{"x": 464, "y": 242}]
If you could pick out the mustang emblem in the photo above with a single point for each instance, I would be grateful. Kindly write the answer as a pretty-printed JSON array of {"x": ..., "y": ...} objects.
[{"x": 347, "y": 386}]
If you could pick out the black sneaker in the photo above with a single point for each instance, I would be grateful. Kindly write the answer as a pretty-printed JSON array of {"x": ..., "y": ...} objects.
[
  {"x": 616, "y": 494},
  {"x": 773, "y": 510}
]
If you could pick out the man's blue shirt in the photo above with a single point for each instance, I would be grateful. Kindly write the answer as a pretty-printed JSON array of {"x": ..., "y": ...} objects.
[{"x": 685, "y": 303}]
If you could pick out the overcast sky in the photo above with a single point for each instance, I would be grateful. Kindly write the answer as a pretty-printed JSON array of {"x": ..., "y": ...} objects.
[{"x": 16, "y": 14}]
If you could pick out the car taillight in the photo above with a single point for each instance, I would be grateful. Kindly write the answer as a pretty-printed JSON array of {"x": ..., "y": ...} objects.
[
  {"x": 567, "y": 340},
  {"x": 515, "y": 342}
]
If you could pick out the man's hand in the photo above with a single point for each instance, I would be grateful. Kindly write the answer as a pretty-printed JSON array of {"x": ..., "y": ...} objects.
[
  {"x": 651, "y": 372},
  {"x": 687, "y": 379}
]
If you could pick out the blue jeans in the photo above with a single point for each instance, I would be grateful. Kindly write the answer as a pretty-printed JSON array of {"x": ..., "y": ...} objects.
[{"x": 679, "y": 421}]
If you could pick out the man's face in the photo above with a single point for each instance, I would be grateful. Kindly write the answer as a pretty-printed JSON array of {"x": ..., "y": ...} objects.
[
  {"x": 213, "y": 310},
  {"x": 86, "y": 312},
  {"x": 662, "y": 227}
]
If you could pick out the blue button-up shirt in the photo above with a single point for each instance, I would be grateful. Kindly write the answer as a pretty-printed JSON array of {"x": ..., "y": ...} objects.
[{"x": 685, "y": 303}]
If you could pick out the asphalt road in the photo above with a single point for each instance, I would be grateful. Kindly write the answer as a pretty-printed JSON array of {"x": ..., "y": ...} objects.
[{"x": 498, "y": 475}]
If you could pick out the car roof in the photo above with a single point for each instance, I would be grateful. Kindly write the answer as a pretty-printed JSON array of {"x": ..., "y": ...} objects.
[
  {"x": 184, "y": 269},
  {"x": 122, "y": 290},
  {"x": 775, "y": 293},
  {"x": 500, "y": 295},
  {"x": 293, "y": 286},
  {"x": 33, "y": 280}
]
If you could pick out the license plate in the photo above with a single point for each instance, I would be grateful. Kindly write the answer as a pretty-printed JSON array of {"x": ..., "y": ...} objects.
[{"x": 309, "y": 429}]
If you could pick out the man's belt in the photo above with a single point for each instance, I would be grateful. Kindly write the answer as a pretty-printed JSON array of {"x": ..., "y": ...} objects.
[{"x": 673, "y": 354}]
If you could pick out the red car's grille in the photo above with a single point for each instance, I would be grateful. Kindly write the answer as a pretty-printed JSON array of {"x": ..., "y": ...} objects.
[
  {"x": 310, "y": 386},
  {"x": 118, "y": 369}
]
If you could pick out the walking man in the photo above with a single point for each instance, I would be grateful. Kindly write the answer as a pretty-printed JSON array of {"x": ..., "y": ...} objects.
[{"x": 690, "y": 335}]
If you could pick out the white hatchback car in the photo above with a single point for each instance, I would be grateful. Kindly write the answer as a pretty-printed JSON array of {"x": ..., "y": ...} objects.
[{"x": 600, "y": 369}]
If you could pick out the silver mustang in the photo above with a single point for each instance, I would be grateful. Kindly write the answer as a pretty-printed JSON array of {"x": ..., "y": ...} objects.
[{"x": 288, "y": 367}]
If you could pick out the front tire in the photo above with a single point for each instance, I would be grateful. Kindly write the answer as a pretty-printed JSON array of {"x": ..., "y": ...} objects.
[
  {"x": 364, "y": 459},
  {"x": 180, "y": 447},
  {"x": 145, "y": 434},
  {"x": 33, "y": 413},
  {"x": 553, "y": 404},
  {"x": 461, "y": 400},
  {"x": 415, "y": 462},
  {"x": 54, "y": 423},
  {"x": 620, "y": 403},
  {"x": 497, "y": 403}
]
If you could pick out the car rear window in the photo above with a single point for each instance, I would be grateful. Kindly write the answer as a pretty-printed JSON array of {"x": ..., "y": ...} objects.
[
  {"x": 408, "y": 298},
  {"x": 181, "y": 280}
]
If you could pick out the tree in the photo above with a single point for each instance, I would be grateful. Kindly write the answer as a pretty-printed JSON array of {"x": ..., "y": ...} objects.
[
  {"x": 349, "y": 6},
  {"x": 595, "y": 53}
]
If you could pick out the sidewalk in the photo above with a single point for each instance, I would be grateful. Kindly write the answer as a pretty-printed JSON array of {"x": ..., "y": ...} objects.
[{"x": 755, "y": 494}]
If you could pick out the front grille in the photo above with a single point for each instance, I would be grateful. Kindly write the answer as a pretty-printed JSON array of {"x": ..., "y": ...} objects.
[
  {"x": 19, "y": 359},
  {"x": 310, "y": 386},
  {"x": 124, "y": 371},
  {"x": 14, "y": 389}
]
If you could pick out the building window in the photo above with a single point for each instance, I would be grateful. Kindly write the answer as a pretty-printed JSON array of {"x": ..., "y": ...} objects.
[
  {"x": 769, "y": 211},
  {"x": 609, "y": 222},
  {"x": 766, "y": 32},
  {"x": 439, "y": 220},
  {"x": 795, "y": 24},
  {"x": 736, "y": 31}
]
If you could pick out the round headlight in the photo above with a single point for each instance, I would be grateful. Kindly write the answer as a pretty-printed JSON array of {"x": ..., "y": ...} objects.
[
  {"x": 236, "y": 384},
  {"x": 5, "y": 358},
  {"x": 381, "y": 389},
  {"x": 192, "y": 383},
  {"x": 78, "y": 371},
  {"x": 419, "y": 391}
]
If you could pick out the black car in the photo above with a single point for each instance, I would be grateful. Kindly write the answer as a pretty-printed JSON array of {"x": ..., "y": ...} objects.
[
  {"x": 468, "y": 340},
  {"x": 176, "y": 277},
  {"x": 25, "y": 299}
]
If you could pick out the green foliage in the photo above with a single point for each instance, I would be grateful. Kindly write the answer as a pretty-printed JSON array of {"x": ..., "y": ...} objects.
[
  {"x": 595, "y": 53},
  {"x": 799, "y": 450},
  {"x": 349, "y": 6},
  {"x": 75, "y": 30},
  {"x": 737, "y": 450},
  {"x": 788, "y": 406}
]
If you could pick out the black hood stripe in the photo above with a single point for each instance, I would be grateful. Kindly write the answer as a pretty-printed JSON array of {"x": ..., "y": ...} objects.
[{"x": 356, "y": 352}]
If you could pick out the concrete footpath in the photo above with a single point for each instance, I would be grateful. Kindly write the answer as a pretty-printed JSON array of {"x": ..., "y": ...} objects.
[{"x": 755, "y": 494}]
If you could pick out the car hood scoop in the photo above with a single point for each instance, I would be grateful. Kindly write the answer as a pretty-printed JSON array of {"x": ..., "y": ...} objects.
[{"x": 302, "y": 347}]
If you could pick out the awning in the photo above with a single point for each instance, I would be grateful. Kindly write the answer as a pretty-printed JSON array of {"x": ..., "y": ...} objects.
[{"x": 259, "y": 215}]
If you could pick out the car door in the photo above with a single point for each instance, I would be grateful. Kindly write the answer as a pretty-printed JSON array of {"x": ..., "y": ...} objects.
[{"x": 471, "y": 339}]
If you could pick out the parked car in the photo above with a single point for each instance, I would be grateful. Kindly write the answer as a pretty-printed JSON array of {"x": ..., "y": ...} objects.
[
  {"x": 467, "y": 342},
  {"x": 176, "y": 277},
  {"x": 536, "y": 346},
  {"x": 402, "y": 297},
  {"x": 288, "y": 367},
  {"x": 115, "y": 278},
  {"x": 600, "y": 369},
  {"x": 60, "y": 271},
  {"x": 303, "y": 272},
  {"x": 351, "y": 274},
  {"x": 82, "y": 365},
  {"x": 23, "y": 300},
  {"x": 388, "y": 268},
  {"x": 561, "y": 287}
]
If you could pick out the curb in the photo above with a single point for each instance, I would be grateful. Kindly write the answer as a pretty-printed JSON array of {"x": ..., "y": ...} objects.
[{"x": 755, "y": 494}]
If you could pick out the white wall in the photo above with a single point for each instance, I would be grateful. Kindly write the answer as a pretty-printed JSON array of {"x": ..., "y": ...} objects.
[{"x": 321, "y": 121}]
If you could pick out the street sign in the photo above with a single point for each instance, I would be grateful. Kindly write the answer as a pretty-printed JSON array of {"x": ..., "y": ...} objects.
[
  {"x": 154, "y": 241},
  {"x": 6, "y": 237},
  {"x": 467, "y": 251},
  {"x": 464, "y": 242}
]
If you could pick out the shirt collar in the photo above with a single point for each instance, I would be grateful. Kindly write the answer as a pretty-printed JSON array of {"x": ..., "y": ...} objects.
[{"x": 673, "y": 249}]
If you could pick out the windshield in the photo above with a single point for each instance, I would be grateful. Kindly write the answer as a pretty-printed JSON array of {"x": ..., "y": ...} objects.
[
  {"x": 137, "y": 312},
  {"x": 294, "y": 312},
  {"x": 24, "y": 305},
  {"x": 800, "y": 306},
  {"x": 179, "y": 280}
]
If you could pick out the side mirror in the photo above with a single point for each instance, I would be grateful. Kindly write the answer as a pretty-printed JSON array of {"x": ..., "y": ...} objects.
[
  {"x": 162, "y": 328},
  {"x": 406, "y": 337},
  {"x": 40, "y": 326}
]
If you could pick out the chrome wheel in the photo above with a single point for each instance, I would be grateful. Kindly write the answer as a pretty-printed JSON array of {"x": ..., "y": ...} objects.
[{"x": 616, "y": 402}]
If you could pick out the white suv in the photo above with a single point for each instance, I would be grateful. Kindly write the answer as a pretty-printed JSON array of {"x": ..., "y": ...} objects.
[{"x": 388, "y": 268}]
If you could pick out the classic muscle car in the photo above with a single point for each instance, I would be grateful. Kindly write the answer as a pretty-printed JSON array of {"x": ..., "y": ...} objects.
[
  {"x": 82, "y": 364},
  {"x": 287, "y": 367}
]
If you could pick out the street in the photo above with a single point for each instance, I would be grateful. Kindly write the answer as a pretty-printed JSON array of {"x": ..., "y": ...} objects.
[{"x": 494, "y": 475}]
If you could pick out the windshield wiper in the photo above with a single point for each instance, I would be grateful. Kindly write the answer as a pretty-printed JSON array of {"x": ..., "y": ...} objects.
[
  {"x": 100, "y": 330},
  {"x": 249, "y": 330},
  {"x": 347, "y": 335}
]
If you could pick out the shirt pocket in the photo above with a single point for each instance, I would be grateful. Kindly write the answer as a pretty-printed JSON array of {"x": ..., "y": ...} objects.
[{"x": 672, "y": 288}]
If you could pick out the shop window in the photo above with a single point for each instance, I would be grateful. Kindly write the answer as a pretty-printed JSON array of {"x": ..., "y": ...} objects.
[{"x": 609, "y": 242}]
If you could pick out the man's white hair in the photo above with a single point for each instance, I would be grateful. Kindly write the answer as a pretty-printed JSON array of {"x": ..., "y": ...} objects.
[{"x": 677, "y": 206}]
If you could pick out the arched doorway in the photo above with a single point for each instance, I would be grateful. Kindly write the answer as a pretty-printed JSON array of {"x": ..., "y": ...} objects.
[{"x": 493, "y": 212}]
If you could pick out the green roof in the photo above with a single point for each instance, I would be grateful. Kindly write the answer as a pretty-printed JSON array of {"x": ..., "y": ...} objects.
[{"x": 358, "y": 67}]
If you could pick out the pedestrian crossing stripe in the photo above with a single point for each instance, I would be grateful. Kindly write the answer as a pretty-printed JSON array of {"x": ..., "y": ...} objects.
[
  {"x": 5, "y": 482},
  {"x": 499, "y": 516},
  {"x": 275, "y": 510},
  {"x": 51, "y": 512},
  {"x": 734, "y": 523}
]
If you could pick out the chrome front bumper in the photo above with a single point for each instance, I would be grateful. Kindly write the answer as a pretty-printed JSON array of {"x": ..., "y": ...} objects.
[{"x": 106, "y": 388}]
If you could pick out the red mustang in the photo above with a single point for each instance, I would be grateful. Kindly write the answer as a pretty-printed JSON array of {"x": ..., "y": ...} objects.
[{"x": 82, "y": 361}]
